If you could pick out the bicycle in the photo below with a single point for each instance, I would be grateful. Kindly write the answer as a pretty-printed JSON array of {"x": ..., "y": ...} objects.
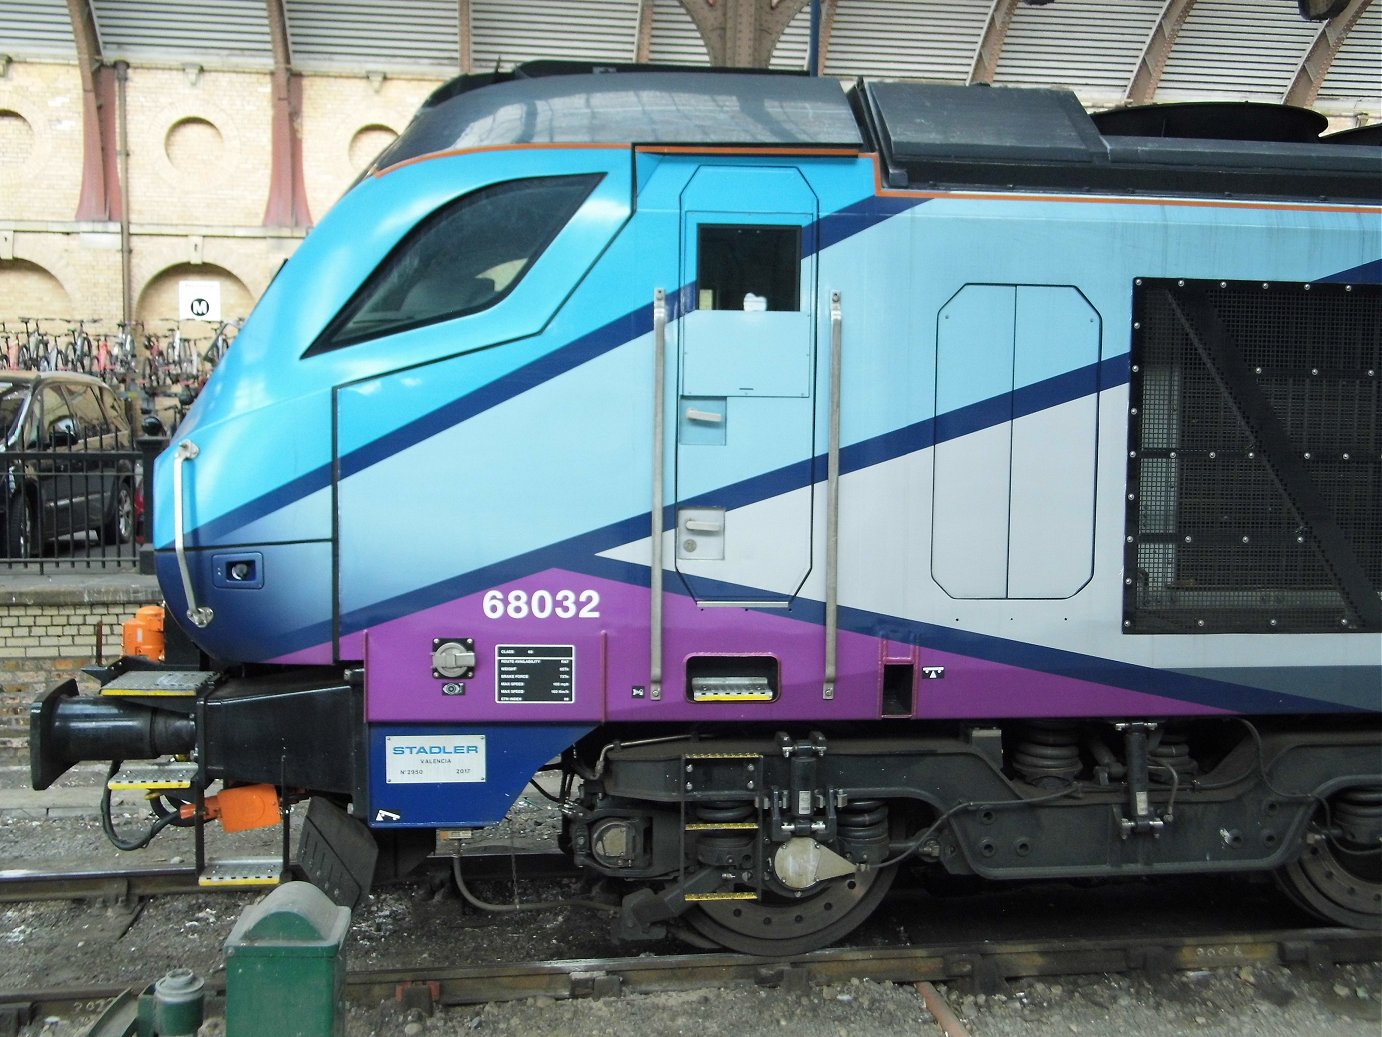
[
  {"x": 82, "y": 355},
  {"x": 220, "y": 344},
  {"x": 155, "y": 366},
  {"x": 33, "y": 345},
  {"x": 123, "y": 353},
  {"x": 11, "y": 347}
]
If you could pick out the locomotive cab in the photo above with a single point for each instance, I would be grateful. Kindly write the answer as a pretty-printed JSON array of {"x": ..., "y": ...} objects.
[{"x": 828, "y": 480}]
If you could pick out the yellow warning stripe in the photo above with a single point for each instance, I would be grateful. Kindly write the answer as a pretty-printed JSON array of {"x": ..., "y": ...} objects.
[
  {"x": 702, "y": 826},
  {"x": 177, "y": 693},
  {"x": 250, "y": 881},
  {"x": 729, "y": 696}
]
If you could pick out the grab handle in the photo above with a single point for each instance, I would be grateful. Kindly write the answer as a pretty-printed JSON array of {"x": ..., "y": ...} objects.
[
  {"x": 659, "y": 442},
  {"x": 832, "y": 504},
  {"x": 200, "y": 615}
]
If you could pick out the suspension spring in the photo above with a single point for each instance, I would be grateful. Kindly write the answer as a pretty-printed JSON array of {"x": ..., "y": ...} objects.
[
  {"x": 1357, "y": 813},
  {"x": 862, "y": 827},
  {"x": 1048, "y": 752},
  {"x": 1172, "y": 751}
]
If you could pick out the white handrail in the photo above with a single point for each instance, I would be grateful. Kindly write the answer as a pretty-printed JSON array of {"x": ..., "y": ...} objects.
[
  {"x": 832, "y": 505},
  {"x": 200, "y": 615},
  {"x": 659, "y": 436}
]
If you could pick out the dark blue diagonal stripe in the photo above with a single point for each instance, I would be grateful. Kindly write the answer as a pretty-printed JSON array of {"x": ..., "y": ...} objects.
[
  {"x": 578, "y": 555},
  {"x": 863, "y": 214},
  {"x": 1367, "y": 273},
  {"x": 831, "y": 229},
  {"x": 516, "y": 382},
  {"x": 575, "y": 552}
]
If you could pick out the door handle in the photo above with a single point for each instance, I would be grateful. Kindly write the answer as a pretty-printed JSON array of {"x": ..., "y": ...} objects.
[
  {"x": 709, "y": 417},
  {"x": 702, "y": 526}
]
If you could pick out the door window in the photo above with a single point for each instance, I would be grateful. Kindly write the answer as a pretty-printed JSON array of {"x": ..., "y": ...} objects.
[{"x": 748, "y": 267}]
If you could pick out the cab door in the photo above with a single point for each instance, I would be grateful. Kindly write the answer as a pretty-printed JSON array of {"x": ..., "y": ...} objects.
[{"x": 745, "y": 400}]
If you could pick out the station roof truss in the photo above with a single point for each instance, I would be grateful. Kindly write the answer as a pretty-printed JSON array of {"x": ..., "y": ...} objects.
[{"x": 1325, "y": 54}]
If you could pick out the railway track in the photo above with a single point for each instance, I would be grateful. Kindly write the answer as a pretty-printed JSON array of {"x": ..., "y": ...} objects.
[{"x": 986, "y": 965}]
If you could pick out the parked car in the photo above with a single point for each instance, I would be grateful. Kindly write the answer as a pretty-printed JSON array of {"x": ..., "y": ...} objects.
[{"x": 69, "y": 463}]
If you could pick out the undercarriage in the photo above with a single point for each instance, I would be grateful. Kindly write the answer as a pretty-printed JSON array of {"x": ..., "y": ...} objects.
[
  {"x": 762, "y": 840},
  {"x": 767, "y": 844}
]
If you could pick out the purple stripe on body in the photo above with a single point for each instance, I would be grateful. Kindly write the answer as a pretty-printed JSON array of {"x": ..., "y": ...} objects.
[{"x": 607, "y": 622}]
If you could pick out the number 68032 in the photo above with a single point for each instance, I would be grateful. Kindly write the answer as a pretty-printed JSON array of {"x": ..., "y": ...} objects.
[{"x": 541, "y": 604}]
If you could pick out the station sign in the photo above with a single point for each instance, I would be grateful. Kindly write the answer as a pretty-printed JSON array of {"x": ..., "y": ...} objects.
[{"x": 199, "y": 300}]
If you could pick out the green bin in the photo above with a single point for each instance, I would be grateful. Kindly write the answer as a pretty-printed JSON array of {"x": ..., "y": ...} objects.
[{"x": 285, "y": 974}]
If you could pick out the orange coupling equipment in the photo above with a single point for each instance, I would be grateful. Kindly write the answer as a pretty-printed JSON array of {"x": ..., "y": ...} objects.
[
  {"x": 239, "y": 808},
  {"x": 143, "y": 635}
]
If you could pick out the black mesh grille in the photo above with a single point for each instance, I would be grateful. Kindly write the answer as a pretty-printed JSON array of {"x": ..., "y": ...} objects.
[{"x": 1255, "y": 458}]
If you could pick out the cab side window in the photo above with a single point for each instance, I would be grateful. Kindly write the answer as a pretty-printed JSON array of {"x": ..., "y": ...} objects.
[
  {"x": 748, "y": 267},
  {"x": 463, "y": 258}
]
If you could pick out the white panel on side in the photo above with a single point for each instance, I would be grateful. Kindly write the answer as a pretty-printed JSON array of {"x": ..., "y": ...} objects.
[
  {"x": 427, "y": 758},
  {"x": 969, "y": 534},
  {"x": 1051, "y": 533},
  {"x": 974, "y": 377},
  {"x": 1054, "y": 453}
]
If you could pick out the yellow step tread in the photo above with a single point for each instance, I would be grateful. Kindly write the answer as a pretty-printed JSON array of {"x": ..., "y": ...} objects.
[
  {"x": 159, "y": 683},
  {"x": 245, "y": 871},
  {"x": 154, "y": 776}
]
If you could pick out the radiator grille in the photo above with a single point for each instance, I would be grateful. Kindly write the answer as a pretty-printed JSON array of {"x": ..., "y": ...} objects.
[{"x": 1255, "y": 458}]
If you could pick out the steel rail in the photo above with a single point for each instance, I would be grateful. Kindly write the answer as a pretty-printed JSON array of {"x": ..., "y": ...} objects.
[
  {"x": 986, "y": 965},
  {"x": 18, "y": 886}
]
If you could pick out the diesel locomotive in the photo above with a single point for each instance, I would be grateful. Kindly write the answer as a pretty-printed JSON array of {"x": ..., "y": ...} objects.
[{"x": 825, "y": 478}]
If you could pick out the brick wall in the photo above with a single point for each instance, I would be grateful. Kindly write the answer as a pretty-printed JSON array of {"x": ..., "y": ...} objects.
[
  {"x": 200, "y": 153},
  {"x": 41, "y": 164},
  {"x": 346, "y": 121},
  {"x": 48, "y": 632}
]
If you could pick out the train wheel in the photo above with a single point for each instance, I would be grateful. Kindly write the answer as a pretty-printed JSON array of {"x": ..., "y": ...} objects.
[
  {"x": 1339, "y": 876},
  {"x": 779, "y": 925}
]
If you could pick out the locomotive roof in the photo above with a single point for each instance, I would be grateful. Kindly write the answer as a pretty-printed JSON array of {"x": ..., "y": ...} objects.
[
  {"x": 639, "y": 107},
  {"x": 927, "y": 135}
]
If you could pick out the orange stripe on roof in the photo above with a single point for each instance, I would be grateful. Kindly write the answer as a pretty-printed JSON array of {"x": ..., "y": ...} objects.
[
  {"x": 757, "y": 149},
  {"x": 883, "y": 191}
]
